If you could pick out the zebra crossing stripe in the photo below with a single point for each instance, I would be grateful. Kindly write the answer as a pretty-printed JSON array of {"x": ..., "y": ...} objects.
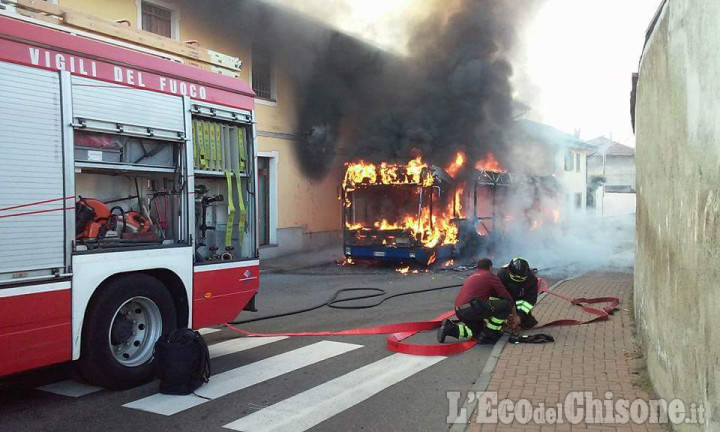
[
  {"x": 307, "y": 409},
  {"x": 208, "y": 330},
  {"x": 240, "y": 344},
  {"x": 243, "y": 377},
  {"x": 73, "y": 388}
]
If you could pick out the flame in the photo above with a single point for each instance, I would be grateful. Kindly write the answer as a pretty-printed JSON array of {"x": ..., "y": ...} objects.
[
  {"x": 403, "y": 270},
  {"x": 347, "y": 262},
  {"x": 455, "y": 166},
  {"x": 449, "y": 263},
  {"x": 415, "y": 172},
  {"x": 489, "y": 163},
  {"x": 556, "y": 216},
  {"x": 430, "y": 230},
  {"x": 457, "y": 210},
  {"x": 353, "y": 227}
]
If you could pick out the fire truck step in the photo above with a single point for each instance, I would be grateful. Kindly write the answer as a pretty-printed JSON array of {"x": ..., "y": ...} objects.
[
  {"x": 243, "y": 377},
  {"x": 309, "y": 408},
  {"x": 70, "y": 388}
]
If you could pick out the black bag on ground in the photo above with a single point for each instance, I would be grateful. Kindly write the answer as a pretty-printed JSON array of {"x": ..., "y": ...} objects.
[{"x": 183, "y": 362}]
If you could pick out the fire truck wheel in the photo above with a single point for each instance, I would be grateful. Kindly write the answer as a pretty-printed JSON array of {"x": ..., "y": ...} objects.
[{"x": 121, "y": 327}]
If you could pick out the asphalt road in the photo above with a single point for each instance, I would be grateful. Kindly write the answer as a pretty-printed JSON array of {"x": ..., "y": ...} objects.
[{"x": 401, "y": 393}]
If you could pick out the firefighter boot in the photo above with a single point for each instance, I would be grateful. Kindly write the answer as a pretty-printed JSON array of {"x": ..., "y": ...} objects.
[
  {"x": 447, "y": 328},
  {"x": 488, "y": 337},
  {"x": 527, "y": 321},
  {"x": 491, "y": 332}
]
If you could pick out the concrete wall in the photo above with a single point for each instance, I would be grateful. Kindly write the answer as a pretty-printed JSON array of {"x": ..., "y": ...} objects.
[
  {"x": 619, "y": 170},
  {"x": 308, "y": 212},
  {"x": 677, "y": 266}
]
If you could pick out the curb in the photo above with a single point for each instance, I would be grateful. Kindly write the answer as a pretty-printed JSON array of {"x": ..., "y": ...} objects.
[{"x": 483, "y": 381}]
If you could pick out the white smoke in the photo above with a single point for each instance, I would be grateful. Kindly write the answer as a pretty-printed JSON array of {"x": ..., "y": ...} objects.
[{"x": 580, "y": 241}]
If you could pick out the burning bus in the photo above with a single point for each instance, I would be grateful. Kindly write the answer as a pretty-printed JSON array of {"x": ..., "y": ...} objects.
[
  {"x": 422, "y": 213},
  {"x": 399, "y": 212}
]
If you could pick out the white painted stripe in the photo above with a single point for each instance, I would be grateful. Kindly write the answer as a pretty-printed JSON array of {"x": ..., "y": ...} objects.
[
  {"x": 243, "y": 377},
  {"x": 34, "y": 289},
  {"x": 225, "y": 266},
  {"x": 70, "y": 388},
  {"x": 240, "y": 344},
  {"x": 208, "y": 330},
  {"x": 309, "y": 408}
]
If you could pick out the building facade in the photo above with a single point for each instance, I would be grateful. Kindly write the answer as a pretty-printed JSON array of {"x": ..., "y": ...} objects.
[
  {"x": 678, "y": 210},
  {"x": 540, "y": 149},
  {"x": 296, "y": 212},
  {"x": 611, "y": 178}
]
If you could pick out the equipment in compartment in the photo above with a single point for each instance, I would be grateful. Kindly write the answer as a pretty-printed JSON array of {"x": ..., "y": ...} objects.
[
  {"x": 115, "y": 148},
  {"x": 219, "y": 146},
  {"x": 95, "y": 222},
  {"x": 203, "y": 252},
  {"x": 219, "y": 150},
  {"x": 220, "y": 218}
]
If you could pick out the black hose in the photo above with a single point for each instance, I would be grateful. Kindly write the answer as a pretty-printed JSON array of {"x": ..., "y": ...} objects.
[{"x": 334, "y": 301}]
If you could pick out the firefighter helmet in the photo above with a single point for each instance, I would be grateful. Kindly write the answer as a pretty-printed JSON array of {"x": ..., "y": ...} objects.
[{"x": 519, "y": 269}]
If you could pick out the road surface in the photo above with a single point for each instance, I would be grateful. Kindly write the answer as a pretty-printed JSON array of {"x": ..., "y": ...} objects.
[{"x": 283, "y": 384}]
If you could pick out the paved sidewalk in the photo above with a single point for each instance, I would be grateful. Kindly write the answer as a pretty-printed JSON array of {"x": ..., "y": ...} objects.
[{"x": 596, "y": 357}]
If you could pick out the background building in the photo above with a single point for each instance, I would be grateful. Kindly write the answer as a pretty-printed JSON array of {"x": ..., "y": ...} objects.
[
  {"x": 540, "y": 149},
  {"x": 611, "y": 178},
  {"x": 678, "y": 207}
]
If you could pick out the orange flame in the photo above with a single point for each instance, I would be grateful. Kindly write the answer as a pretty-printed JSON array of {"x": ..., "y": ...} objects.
[
  {"x": 455, "y": 166},
  {"x": 430, "y": 230},
  {"x": 415, "y": 172},
  {"x": 403, "y": 270},
  {"x": 457, "y": 210},
  {"x": 489, "y": 163}
]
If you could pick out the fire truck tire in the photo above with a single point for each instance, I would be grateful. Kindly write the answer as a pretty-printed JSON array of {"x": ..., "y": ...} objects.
[{"x": 120, "y": 329}]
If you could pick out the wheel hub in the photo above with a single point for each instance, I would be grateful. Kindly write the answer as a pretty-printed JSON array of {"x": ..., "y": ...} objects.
[
  {"x": 135, "y": 328},
  {"x": 121, "y": 331}
]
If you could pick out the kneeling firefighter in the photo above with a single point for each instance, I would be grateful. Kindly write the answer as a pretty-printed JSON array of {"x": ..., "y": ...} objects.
[
  {"x": 482, "y": 297},
  {"x": 521, "y": 282}
]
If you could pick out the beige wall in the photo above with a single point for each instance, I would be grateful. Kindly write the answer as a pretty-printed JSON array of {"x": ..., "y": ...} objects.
[
  {"x": 311, "y": 206},
  {"x": 677, "y": 264},
  {"x": 112, "y": 10}
]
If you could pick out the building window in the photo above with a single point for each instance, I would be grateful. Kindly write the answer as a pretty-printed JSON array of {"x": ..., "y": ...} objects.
[
  {"x": 262, "y": 75},
  {"x": 569, "y": 159},
  {"x": 157, "y": 19},
  {"x": 577, "y": 162}
]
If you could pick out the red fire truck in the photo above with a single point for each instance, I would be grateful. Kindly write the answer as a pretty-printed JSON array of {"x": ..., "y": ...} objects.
[{"x": 127, "y": 202}]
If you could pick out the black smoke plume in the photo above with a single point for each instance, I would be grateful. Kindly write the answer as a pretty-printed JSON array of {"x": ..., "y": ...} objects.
[{"x": 451, "y": 92}]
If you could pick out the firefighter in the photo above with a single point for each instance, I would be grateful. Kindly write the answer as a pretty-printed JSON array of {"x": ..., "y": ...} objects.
[
  {"x": 521, "y": 282},
  {"x": 482, "y": 298}
]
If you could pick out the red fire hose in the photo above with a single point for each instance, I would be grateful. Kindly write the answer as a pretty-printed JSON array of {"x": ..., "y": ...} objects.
[{"x": 398, "y": 332}]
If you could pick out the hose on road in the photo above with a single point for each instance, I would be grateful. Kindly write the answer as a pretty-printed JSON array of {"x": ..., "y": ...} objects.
[{"x": 336, "y": 302}]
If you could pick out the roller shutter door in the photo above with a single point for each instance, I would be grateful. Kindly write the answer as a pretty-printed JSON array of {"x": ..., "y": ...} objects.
[{"x": 31, "y": 170}]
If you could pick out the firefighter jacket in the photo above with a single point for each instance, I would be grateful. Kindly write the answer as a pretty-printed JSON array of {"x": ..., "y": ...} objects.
[{"x": 526, "y": 290}]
